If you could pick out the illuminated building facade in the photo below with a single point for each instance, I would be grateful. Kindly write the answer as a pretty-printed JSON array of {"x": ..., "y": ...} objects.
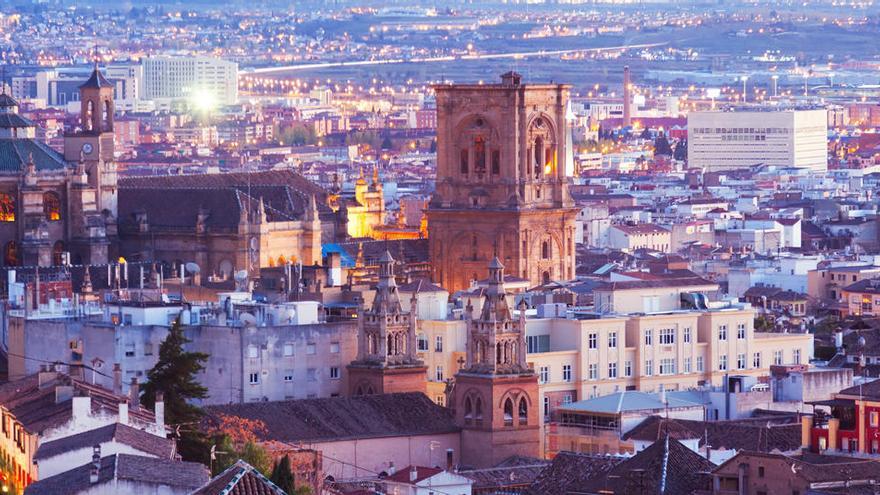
[{"x": 501, "y": 186}]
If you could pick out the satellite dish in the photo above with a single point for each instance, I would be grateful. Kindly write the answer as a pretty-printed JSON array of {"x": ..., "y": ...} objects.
[
  {"x": 248, "y": 319},
  {"x": 241, "y": 275},
  {"x": 193, "y": 268}
]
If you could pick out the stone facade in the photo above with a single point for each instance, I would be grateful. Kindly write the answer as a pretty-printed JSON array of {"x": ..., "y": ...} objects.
[{"x": 501, "y": 183}]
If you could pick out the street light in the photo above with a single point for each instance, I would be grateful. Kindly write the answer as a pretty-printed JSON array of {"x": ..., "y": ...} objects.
[
  {"x": 745, "y": 95},
  {"x": 775, "y": 79}
]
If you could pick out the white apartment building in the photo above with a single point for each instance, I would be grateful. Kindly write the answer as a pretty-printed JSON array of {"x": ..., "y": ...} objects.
[
  {"x": 725, "y": 140},
  {"x": 213, "y": 81}
]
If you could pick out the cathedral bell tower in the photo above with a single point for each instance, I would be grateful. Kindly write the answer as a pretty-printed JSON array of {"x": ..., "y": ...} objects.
[
  {"x": 387, "y": 361},
  {"x": 503, "y": 167},
  {"x": 94, "y": 184},
  {"x": 495, "y": 394}
]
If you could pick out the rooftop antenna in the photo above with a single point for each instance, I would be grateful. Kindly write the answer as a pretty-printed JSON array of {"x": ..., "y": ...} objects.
[{"x": 95, "y": 52}]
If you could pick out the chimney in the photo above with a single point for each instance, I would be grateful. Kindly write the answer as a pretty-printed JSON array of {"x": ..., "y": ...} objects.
[
  {"x": 413, "y": 474},
  {"x": 46, "y": 376},
  {"x": 95, "y": 472},
  {"x": 450, "y": 462},
  {"x": 81, "y": 408},
  {"x": 391, "y": 468},
  {"x": 134, "y": 394},
  {"x": 117, "y": 379},
  {"x": 123, "y": 413},
  {"x": 627, "y": 97},
  {"x": 159, "y": 411},
  {"x": 63, "y": 393}
]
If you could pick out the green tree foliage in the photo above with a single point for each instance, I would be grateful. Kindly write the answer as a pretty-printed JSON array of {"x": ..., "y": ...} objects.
[
  {"x": 226, "y": 453},
  {"x": 661, "y": 146},
  {"x": 681, "y": 150},
  {"x": 282, "y": 475},
  {"x": 175, "y": 376}
]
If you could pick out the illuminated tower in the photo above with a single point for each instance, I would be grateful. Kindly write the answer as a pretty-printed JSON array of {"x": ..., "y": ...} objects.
[
  {"x": 627, "y": 97},
  {"x": 501, "y": 185}
]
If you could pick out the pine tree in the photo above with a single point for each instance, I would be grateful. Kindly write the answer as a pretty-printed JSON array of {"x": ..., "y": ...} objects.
[
  {"x": 681, "y": 150},
  {"x": 282, "y": 475},
  {"x": 175, "y": 376},
  {"x": 661, "y": 146}
]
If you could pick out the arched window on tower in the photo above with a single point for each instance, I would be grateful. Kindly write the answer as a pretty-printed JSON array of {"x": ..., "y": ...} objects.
[
  {"x": 58, "y": 254},
  {"x": 90, "y": 112},
  {"x": 10, "y": 254},
  {"x": 108, "y": 116},
  {"x": 545, "y": 250},
  {"x": 496, "y": 162},
  {"x": 463, "y": 161},
  {"x": 480, "y": 155},
  {"x": 523, "y": 411},
  {"x": 478, "y": 412},
  {"x": 51, "y": 206},
  {"x": 508, "y": 412},
  {"x": 539, "y": 152},
  {"x": 7, "y": 208},
  {"x": 468, "y": 411}
]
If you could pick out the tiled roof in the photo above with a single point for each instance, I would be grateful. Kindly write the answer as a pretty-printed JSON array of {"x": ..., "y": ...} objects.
[
  {"x": 7, "y": 101},
  {"x": 239, "y": 479},
  {"x": 865, "y": 286},
  {"x": 37, "y": 410},
  {"x": 13, "y": 120},
  {"x": 422, "y": 473},
  {"x": 666, "y": 467},
  {"x": 15, "y": 153},
  {"x": 340, "y": 418},
  {"x": 569, "y": 470},
  {"x": 513, "y": 471},
  {"x": 133, "y": 468},
  {"x": 641, "y": 229},
  {"x": 143, "y": 441},
  {"x": 96, "y": 80},
  {"x": 763, "y": 434},
  {"x": 820, "y": 468}
]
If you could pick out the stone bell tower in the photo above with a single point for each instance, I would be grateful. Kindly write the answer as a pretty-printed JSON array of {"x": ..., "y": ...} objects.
[
  {"x": 387, "y": 360},
  {"x": 502, "y": 183},
  {"x": 495, "y": 395}
]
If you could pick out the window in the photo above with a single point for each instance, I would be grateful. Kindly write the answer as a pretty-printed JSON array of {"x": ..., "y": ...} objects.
[
  {"x": 288, "y": 375},
  {"x": 537, "y": 343},
  {"x": 796, "y": 356},
  {"x": 312, "y": 374},
  {"x": 129, "y": 350},
  {"x": 667, "y": 336},
  {"x": 594, "y": 371},
  {"x": 334, "y": 347},
  {"x": 51, "y": 206},
  {"x": 479, "y": 155},
  {"x": 722, "y": 362},
  {"x": 438, "y": 343},
  {"x": 741, "y": 361},
  {"x": 612, "y": 340},
  {"x": 649, "y": 337},
  {"x": 760, "y": 471},
  {"x": 288, "y": 350},
  {"x": 463, "y": 161},
  {"x": 438, "y": 373},
  {"x": 875, "y": 418},
  {"x": 310, "y": 348},
  {"x": 422, "y": 343},
  {"x": 254, "y": 378},
  {"x": 756, "y": 360},
  {"x": 546, "y": 407},
  {"x": 7, "y": 208},
  {"x": 566, "y": 372},
  {"x": 686, "y": 335},
  {"x": 649, "y": 367},
  {"x": 544, "y": 374},
  {"x": 496, "y": 162},
  {"x": 253, "y": 352},
  {"x": 722, "y": 332},
  {"x": 627, "y": 368},
  {"x": 777, "y": 357},
  {"x": 700, "y": 363},
  {"x": 593, "y": 341},
  {"x": 686, "y": 367},
  {"x": 334, "y": 373},
  {"x": 148, "y": 349},
  {"x": 741, "y": 331},
  {"x": 667, "y": 366},
  {"x": 545, "y": 250},
  {"x": 508, "y": 412},
  {"x": 612, "y": 370}
]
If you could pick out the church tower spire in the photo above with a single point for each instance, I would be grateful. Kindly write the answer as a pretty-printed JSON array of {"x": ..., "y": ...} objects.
[
  {"x": 495, "y": 396},
  {"x": 387, "y": 360}
]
